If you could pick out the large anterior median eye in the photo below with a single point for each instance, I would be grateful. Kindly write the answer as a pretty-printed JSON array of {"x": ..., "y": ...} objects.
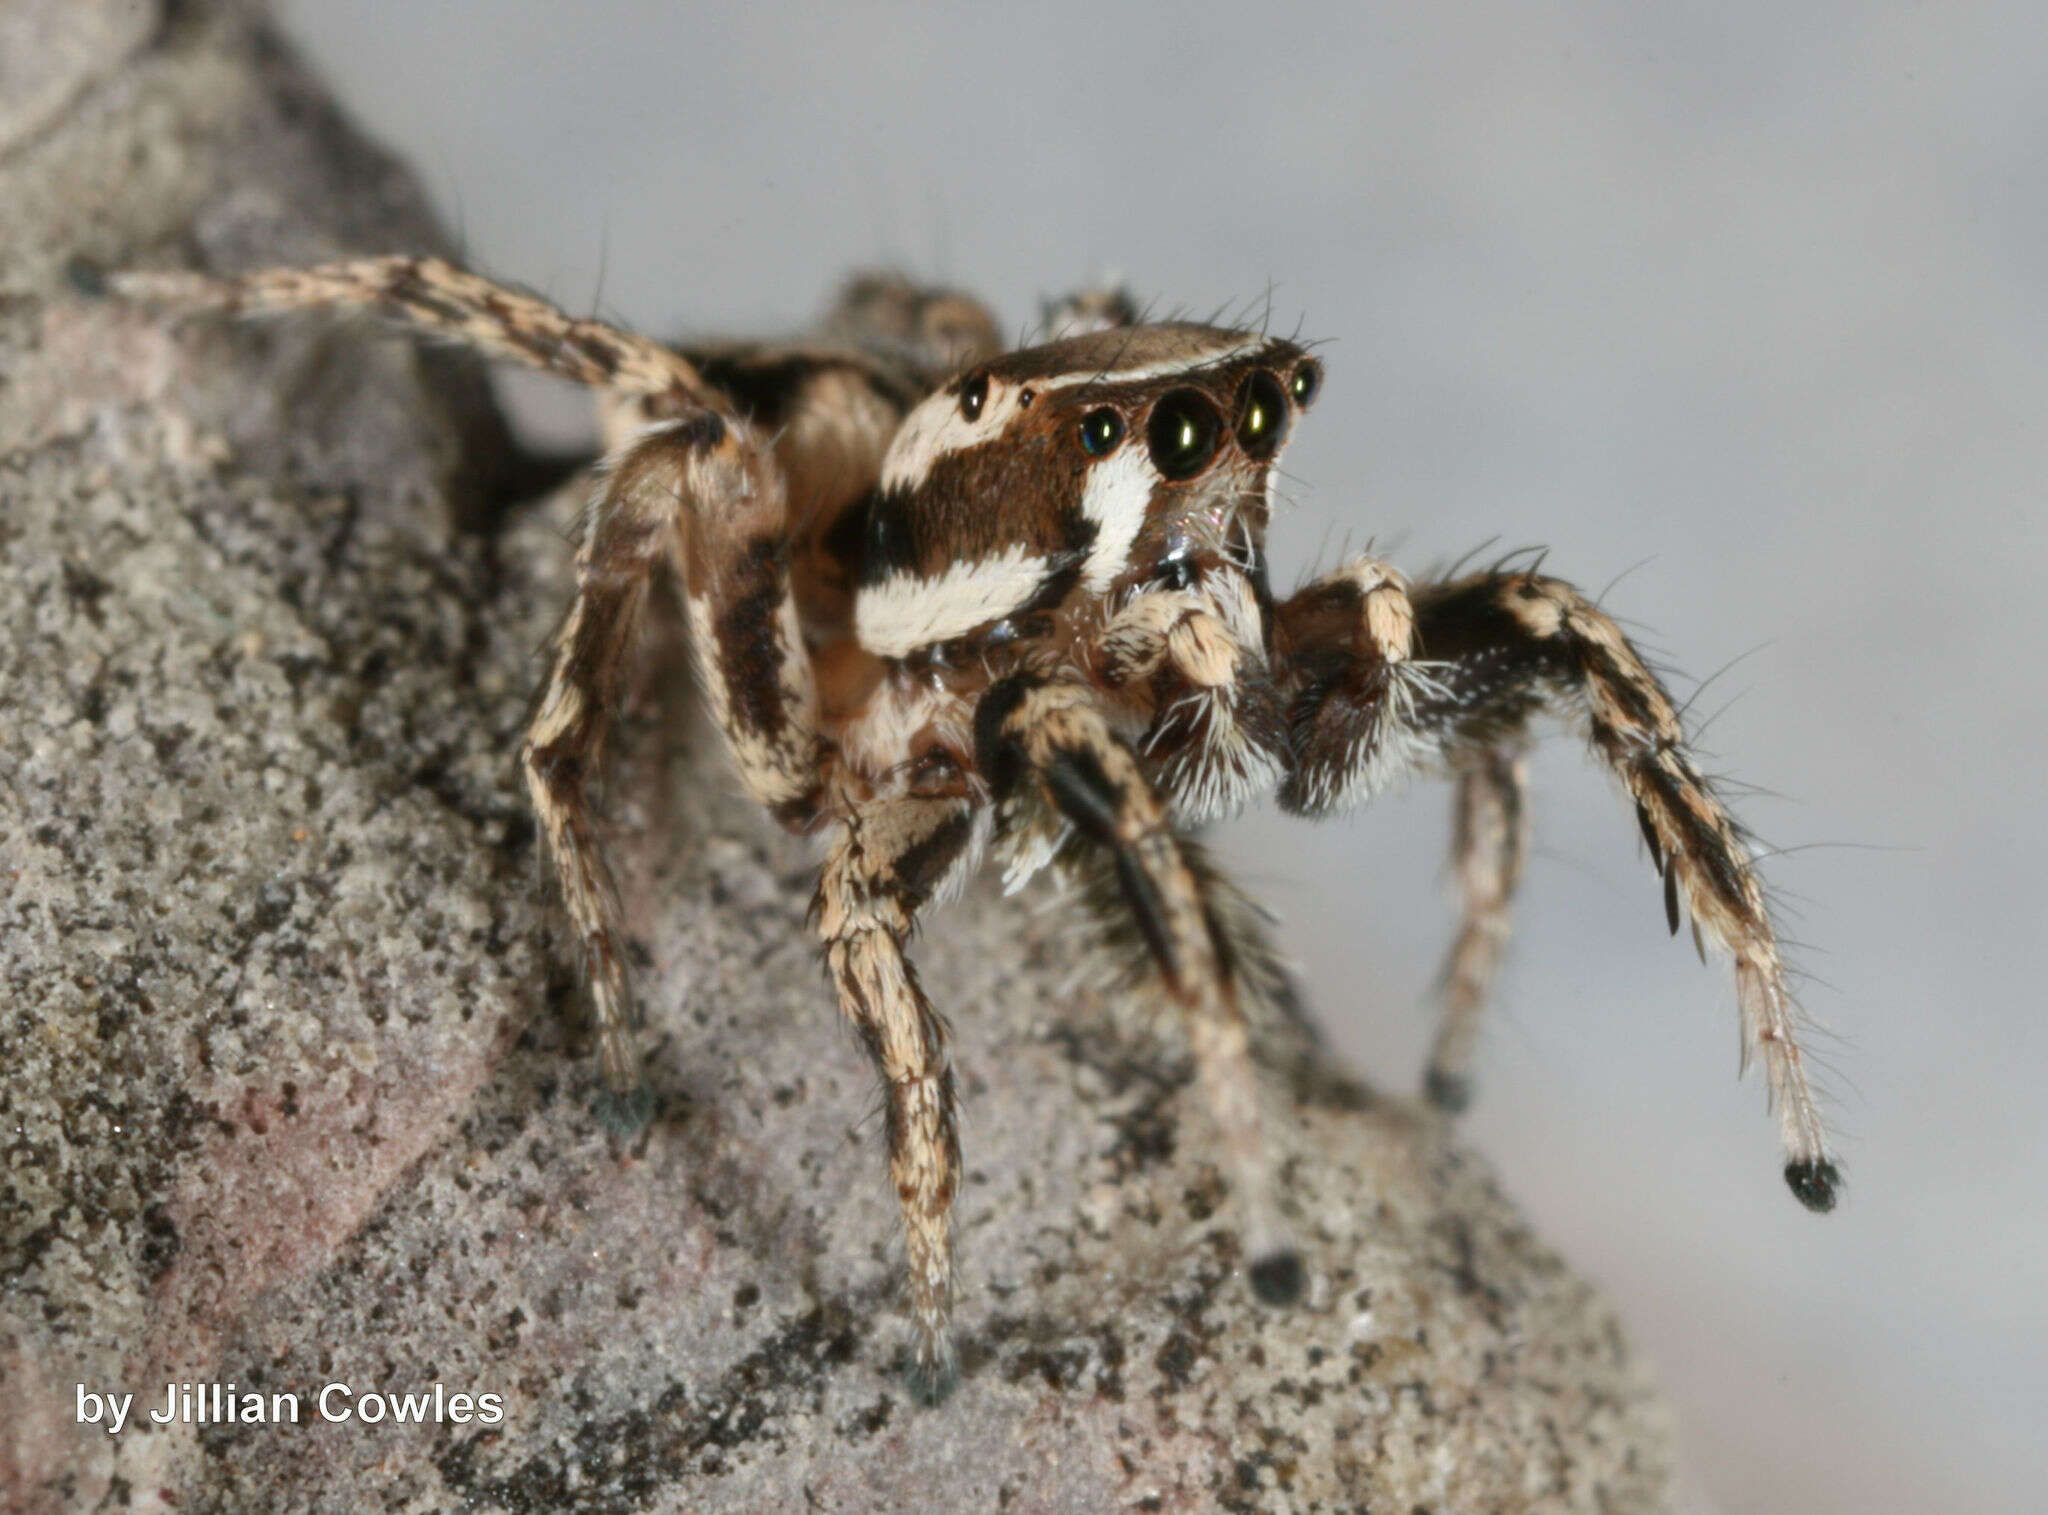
[
  {"x": 1183, "y": 433},
  {"x": 1101, "y": 430},
  {"x": 1261, "y": 416},
  {"x": 973, "y": 395}
]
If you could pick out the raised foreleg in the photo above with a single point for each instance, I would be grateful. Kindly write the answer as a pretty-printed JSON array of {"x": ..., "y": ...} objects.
[{"x": 1489, "y": 651}]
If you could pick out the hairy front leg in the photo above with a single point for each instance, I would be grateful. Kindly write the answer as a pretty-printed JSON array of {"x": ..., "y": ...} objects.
[
  {"x": 1049, "y": 735},
  {"x": 888, "y": 859},
  {"x": 1491, "y": 651}
]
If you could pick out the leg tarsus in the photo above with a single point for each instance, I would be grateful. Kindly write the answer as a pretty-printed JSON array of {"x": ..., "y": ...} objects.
[
  {"x": 933, "y": 1371},
  {"x": 1279, "y": 1277},
  {"x": 627, "y": 1114},
  {"x": 86, "y": 277},
  {"x": 1815, "y": 1182},
  {"x": 1449, "y": 1092}
]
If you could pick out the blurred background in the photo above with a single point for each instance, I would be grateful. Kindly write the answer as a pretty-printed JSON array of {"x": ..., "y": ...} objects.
[{"x": 1746, "y": 305}]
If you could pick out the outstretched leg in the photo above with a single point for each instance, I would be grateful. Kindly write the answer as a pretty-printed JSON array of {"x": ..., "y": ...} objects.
[
  {"x": 697, "y": 488},
  {"x": 1051, "y": 736},
  {"x": 1489, "y": 838},
  {"x": 1492, "y": 649},
  {"x": 437, "y": 299},
  {"x": 888, "y": 859}
]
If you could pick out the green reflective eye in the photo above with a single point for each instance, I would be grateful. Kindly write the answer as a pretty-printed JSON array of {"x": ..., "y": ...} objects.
[
  {"x": 1261, "y": 416},
  {"x": 1183, "y": 433},
  {"x": 1101, "y": 430},
  {"x": 1306, "y": 381}
]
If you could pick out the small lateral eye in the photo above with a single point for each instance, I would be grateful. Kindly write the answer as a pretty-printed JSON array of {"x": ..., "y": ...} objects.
[
  {"x": 1306, "y": 381},
  {"x": 973, "y": 395},
  {"x": 1261, "y": 416},
  {"x": 1183, "y": 433},
  {"x": 1101, "y": 430}
]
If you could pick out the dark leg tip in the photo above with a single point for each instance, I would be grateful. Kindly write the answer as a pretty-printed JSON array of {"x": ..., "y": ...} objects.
[
  {"x": 931, "y": 1381},
  {"x": 85, "y": 276},
  {"x": 1449, "y": 1092},
  {"x": 1814, "y": 1183},
  {"x": 1279, "y": 1278},
  {"x": 626, "y": 1114}
]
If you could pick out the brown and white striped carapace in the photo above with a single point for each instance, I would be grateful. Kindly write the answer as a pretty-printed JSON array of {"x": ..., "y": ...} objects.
[{"x": 949, "y": 602}]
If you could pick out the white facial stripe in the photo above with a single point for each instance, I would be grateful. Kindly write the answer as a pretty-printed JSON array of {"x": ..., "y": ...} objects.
[
  {"x": 1119, "y": 490},
  {"x": 936, "y": 427},
  {"x": 905, "y": 612}
]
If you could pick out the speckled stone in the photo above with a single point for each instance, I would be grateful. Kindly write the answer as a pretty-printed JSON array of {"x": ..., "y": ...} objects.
[{"x": 290, "y": 1092}]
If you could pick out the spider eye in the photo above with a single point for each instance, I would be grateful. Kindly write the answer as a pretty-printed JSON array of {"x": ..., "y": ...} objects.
[
  {"x": 1261, "y": 416},
  {"x": 973, "y": 395},
  {"x": 1183, "y": 433},
  {"x": 1306, "y": 381},
  {"x": 1101, "y": 430}
]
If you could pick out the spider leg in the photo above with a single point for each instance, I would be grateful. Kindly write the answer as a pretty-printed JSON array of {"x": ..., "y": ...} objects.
[
  {"x": 1051, "y": 736},
  {"x": 434, "y": 297},
  {"x": 1489, "y": 840},
  {"x": 697, "y": 489},
  {"x": 934, "y": 328},
  {"x": 1500, "y": 647},
  {"x": 1100, "y": 308},
  {"x": 1219, "y": 735},
  {"x": 889, "y": 857},
  {"x": 1345, "y": 646}
]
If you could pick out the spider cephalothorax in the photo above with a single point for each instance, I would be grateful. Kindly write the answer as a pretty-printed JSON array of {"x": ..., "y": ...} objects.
[{"x": 945, "y": 600}]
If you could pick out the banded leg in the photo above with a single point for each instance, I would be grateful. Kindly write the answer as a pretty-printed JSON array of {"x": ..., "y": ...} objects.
[
  {"x": 1052, "y": 736},
  {"x": 887, "y": 860},
  {"x": 1501, "y": 646},
  {"x": 699, "y": 488},
  {"x": 934, "y": 329},
  {"x": 437, "y": 299},
  {"x": 1489, "y": 840}
]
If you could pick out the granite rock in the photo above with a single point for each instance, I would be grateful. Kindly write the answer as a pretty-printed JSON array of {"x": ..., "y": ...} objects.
[{"x": 293, "y": 1090}]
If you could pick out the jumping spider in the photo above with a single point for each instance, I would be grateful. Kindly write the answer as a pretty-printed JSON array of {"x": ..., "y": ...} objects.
[{"x": 949, "y": 601}]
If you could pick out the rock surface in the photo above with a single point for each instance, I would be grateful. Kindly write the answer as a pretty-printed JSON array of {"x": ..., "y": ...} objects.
[{"x": 289, "y": 1098}]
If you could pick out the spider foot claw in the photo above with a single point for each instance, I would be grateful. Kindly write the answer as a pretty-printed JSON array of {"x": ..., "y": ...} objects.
[
  {"x": 85, "y": 277},
  {"x": 933, "y": 1371},
  {"x": 1449, "y": 1092},
  {"x": 1279, "y": 1277},
  {"x": 1814, "y": 1182},
  {"x": 625, "y": 1113}
]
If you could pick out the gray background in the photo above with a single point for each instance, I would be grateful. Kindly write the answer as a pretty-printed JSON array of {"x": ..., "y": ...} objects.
[{"x": 1747, "y": 302}]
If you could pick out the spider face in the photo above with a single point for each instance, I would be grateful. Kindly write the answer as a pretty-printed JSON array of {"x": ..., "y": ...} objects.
[
  {"x": 1068, "y": 473},
  {"x": 1025, "y": 606}
]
